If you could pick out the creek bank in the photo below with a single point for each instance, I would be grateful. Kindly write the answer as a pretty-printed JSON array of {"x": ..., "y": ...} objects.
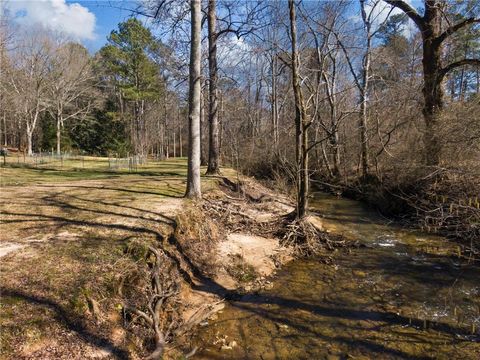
[
  {"x": 438, "y": 201},
  {"x": 223, "y": 247},
  {"x": 400, "y": 294}
]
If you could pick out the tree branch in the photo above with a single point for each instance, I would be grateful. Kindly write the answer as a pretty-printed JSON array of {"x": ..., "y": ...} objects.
[
  {"x": 450, "y": 67},
  {"x": 454, "y": 28},
  {"x": 409, "y": 11}
]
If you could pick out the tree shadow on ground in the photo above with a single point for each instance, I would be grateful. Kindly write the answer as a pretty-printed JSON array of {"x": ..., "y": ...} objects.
[
  {"x": 107, "y": 188},
  {"x": 63, "y": 317},
  {"x": 250, "y": 303}
]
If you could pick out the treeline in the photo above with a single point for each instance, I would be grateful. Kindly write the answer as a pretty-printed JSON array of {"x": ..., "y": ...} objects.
[
  {"x": 55, "y": 96},
  {"x": 369, "y": 95}
]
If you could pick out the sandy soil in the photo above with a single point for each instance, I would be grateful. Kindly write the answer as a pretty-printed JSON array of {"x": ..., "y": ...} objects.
[
  {"x": 7, "y": 248},
  {"x": 256, "y": 251},
  {"x": 63, "y": 242}
]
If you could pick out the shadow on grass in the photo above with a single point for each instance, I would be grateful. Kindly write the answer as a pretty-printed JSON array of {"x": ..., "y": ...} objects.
[
  {"x": 167, "y": 194},
  {"x": 63, "y": 317},
  {"x": 159, "y": 169},
  {"x": 253, "y": 304}
]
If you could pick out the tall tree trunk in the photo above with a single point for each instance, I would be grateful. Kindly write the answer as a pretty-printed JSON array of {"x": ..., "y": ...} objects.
[
  {"x": 193, "y": 174},
  {"x": 30, "y": 129},
  {"x": 174, "y": 145},
  {"x": 432, "y": 87},
  {"x": 433, "y": 73},
  {"x": 330, "y": 87},
  {"x": 5, "y": 142},
  {"x": 334, "y": 142},
  {"x": 301, "y": 149},
  {"x": 221, "y": 115},
  {"x": 59, "y": 136},
  {"x": 433, "y": 100},
  {"x": 59, "y": 131},
  {"x": 213, "y": 143},
  {"x": 165, "y": 132},
  {"x": 203, "y": 158},
  {"x": 363, "y": 121},
  {"x": 29, "y": 141},
  {"x": 180, "y": 133},
  {"x": 274, "y": 69},
  {"x": 363, "y": 135}
]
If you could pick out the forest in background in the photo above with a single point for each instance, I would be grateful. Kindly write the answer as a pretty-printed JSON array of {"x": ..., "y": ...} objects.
[{"x": 357, "y": 97}]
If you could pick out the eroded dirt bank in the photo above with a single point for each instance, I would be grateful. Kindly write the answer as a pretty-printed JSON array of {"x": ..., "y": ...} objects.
[
  {"x": 395, "y": 294},
  {"x": 85, "y": 261}
]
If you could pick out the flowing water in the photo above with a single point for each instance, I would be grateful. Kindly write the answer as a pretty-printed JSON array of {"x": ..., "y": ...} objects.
[{"x": 399, "y": 294}]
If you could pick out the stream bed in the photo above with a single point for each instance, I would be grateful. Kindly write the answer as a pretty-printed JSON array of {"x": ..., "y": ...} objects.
[{"x": 399, "y": 294}]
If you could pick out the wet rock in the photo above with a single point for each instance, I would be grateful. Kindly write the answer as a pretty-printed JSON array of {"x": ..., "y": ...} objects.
[
  {"x": 229, "y": 346},
  {"x": 359, "y": 273},
  {"x": 333, "y": 357}
]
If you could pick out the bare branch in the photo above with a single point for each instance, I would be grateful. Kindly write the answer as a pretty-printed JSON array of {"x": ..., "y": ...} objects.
[
  {"x": 454, "y": 28},
  {"x": 456, "y": 64},
  {"x": 409, "y": 11}
]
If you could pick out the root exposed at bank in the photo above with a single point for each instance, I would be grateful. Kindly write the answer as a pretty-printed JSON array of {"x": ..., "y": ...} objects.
[
  {"x": 155, "y": 292},
  {"x": 215, "y": 244},
  {"x": 305, "y": 237}
]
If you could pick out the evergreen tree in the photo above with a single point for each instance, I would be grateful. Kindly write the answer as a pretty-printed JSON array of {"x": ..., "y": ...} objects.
[{"x": 129, "y": 62}]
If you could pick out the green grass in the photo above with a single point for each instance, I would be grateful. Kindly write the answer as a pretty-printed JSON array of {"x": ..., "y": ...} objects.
[
  {"x": 75, "y": 219},
  {"x": 90, "y": 169}
]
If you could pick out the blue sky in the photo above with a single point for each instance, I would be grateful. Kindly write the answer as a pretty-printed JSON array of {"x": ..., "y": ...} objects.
[
  {"x": 87, "y": 21},
  {"x": 108, "y": 14}
]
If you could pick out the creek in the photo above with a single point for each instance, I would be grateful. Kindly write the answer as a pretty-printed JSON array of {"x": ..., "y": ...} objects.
[{"x": 398, "y": 294}]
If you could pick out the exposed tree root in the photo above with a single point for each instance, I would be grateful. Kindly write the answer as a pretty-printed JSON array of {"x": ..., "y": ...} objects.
[
  {"x": 167, "y": 267},
  {"x": 305, "y": 238},
  {"x": 160, "y": 313}
]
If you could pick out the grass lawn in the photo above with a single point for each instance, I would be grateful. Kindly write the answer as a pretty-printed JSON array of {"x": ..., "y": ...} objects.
[{"x": 70, "y": 223}]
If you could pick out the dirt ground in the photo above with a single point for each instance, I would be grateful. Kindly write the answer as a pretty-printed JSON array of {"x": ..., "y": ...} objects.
[
  {"x": 62, "y": 244},
  {"x": 63, "y": 234}
]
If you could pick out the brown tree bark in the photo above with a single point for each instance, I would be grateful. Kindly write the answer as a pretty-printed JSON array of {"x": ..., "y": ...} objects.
[
  {"x": 433, "y": 72},
  {"x": 301, "y": 125},
  {"x": 193, "y": 174},
  {"x": 203, "y": 157},
  {"x": 274, "y": 70},
  {"x": 213, "y": 143},
  {"x": 363, "y": 120},
  {"x": 59, "y": 133}
]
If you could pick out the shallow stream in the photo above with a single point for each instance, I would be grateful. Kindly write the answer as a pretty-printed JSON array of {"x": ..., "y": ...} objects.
[{"x": 399, "y": 294}]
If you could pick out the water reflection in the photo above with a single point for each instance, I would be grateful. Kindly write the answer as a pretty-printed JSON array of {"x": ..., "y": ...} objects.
[{"x": 403, "y": 295}]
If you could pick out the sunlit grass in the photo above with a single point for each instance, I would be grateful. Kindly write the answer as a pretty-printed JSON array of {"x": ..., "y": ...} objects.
[
  {"x": 20, "y": 172},
  {"x": 74, "y": 219}
]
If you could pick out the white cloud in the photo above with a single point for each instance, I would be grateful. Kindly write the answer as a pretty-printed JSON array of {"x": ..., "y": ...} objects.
[
  {"x": 72, "y": 19},
  {"x": 379, "y": 11},
  {"x": 232, "y": 51}
]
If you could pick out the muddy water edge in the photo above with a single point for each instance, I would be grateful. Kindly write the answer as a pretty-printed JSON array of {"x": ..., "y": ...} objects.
[{"x": 398, "y": 294}]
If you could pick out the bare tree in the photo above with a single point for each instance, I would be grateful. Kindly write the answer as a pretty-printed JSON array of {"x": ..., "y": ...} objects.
[
  {"x": 29, "y": 80},
  {"x": 301, "y": 122},
  {"x": 213, "y": 148},
  {"x": 326, "y": 90},
  {"x": 362, "y": 79},
  {"x": 193, "y": 175},
  {"x": 70, "y": 86},
  {"x": 433, "y": 71}
]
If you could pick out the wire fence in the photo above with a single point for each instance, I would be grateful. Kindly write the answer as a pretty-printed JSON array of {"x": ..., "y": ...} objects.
[
  {"x": 66, "y": 159},
  {"x": 130, "y": 162}
]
